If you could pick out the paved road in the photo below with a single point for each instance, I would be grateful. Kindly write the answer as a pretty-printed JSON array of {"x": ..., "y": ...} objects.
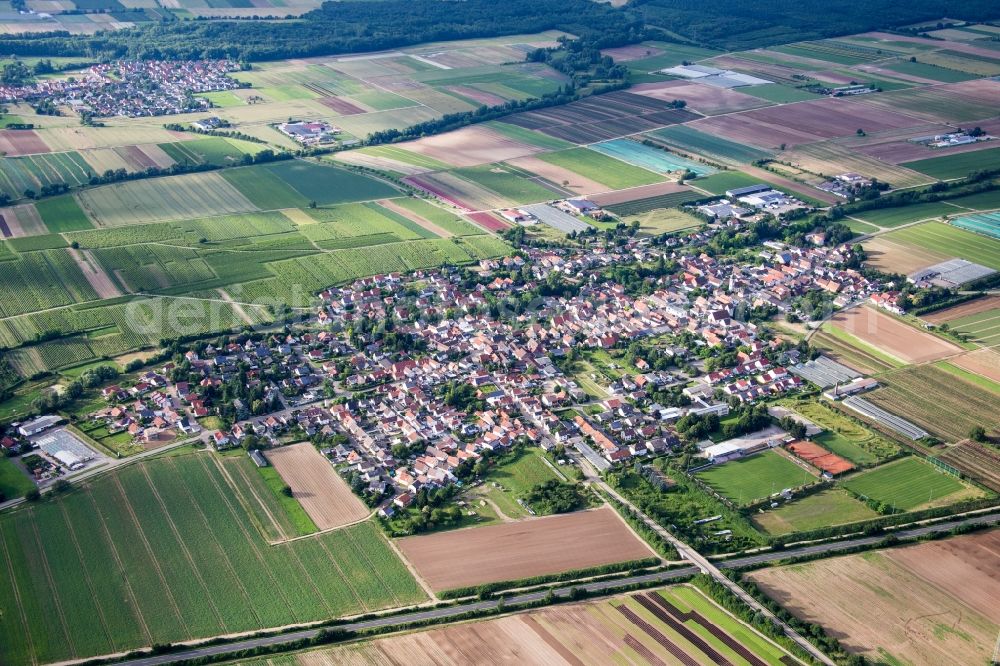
[{"x": 595, "y": 587}]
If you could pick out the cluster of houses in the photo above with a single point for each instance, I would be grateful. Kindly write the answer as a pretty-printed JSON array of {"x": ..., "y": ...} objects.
[
  {"x": 132, "y": 88},
  {"x": 845, "y": 185},
  {"x": 149, "y": 410}
]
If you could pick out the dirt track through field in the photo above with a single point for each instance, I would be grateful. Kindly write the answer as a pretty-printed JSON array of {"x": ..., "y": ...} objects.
[
  {"x": 522, "y": 549},
  {"x": 98, "y": 279},
  {"x": 893, "y": 336},
  {"x": 316, "y": 485}
]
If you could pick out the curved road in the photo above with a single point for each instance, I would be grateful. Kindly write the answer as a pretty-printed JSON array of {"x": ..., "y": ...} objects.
[{"x": 595, "y": 587}]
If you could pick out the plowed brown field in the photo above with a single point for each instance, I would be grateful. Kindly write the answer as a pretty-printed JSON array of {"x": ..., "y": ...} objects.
[
  {"x": 522, "y": 549},
  {"x": 316, "y": 485},
  {"x": 896, "y": 338},
  {"x": 929, "y": 604}
]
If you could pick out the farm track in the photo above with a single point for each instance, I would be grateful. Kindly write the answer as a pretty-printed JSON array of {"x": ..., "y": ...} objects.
[{"x": 183, "y": 547}]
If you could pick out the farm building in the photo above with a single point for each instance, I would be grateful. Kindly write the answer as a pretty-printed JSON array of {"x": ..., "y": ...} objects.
[
  {"x": 310, "y": 133},
  {"x": 744, "y": 446},
  {"x": 748, "y": 190},
  {"x": 38, "y": 425}
]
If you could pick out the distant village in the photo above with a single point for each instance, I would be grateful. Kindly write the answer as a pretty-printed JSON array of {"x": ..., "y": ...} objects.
[
  {"x": 451, "y": 377},
  {"x": 131, "y": 89}
]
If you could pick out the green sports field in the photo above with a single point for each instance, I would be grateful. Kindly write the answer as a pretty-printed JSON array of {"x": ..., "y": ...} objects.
[
  {"x": 747, "y": 480},
  {"x": 904, "y": 484},
  {"x": 946, "y": 239},
  {"x": 958, "y": 165},
  {"x": 822, "y": 509},
  {"x": 168, "y": 550},
  {"x": 601, "y": 168}
]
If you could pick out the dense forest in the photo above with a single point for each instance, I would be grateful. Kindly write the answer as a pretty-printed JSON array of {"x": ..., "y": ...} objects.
[
  {"x": 343, "y": 27},
  {"x": 739, "y": 24},
  {"x": 340, "y": 27}
]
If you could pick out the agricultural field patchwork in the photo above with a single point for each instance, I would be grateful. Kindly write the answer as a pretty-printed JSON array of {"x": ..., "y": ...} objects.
[
  {"x": 196, "y": 565},
  {"x": 924, "y": 604},
  {"x": 645, "y": 627},
  {"x": 947, "y": 240},
  {"x": 958, "y": 165},
  {"x": 943, "y": 404}
]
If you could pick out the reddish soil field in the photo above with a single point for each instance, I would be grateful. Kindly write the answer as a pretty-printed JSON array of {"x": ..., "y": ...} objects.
[
  {"x": 522, "y": 549},
  {"x": 963, "y": 310},
  {"x": 416, "y": 219},
  {"x": 441, "y": 193},
  {"x": 831, "y": 117},
  {"x": 708, "y": 100},
  {"x": 488, "y": 222},
  {"x": 896, "y": 338},
  {"x": 634, "y": 193},
  {"x": 818, "y": 457},
  {"x": 341, "y": 106},
  {"x": 134, "y": 155},
  {"x": 480, "y": 96},
  {"x": 554, "y": 173},
  {"x": 21, "y": 142},
  {"x": 316, "y": 485},
  {"x": 741, "y": 128}
]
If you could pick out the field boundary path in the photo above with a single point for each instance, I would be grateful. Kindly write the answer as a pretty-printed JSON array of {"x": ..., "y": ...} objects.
[{"x": 594, "y": 589}]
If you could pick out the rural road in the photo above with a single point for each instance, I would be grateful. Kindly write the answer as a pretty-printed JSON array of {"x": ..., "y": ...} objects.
[{"x": 593, "y": 588}]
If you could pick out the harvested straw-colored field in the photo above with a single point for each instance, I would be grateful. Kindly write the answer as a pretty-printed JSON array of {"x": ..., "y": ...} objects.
[
  {"x": 928, "y": 604},
  {"x": 893, "y": 336},
  {"x": 316, "y": 485},
  {"x": 985, "y": 362},
  {"x": 471, "y": 146},
  {"x": 512, "y": 551},
  {"x": 23, "y": 220},
  {"x": 828, "y": 158},
  {"x": 674, "y": 625}
]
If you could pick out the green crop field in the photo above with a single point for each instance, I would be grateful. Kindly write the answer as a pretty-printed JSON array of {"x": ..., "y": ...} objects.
[
  {"x": 528, "y": 136},
  {"x": 164, "y": 551},
  {"x": 958, "y": 165},
  {"x": 264, "y": 188},
  {"x": 746, "y": 480},
  {"x": 158, "y": 199},
  {"x": 687, "y": 138},
  {"x": 983, "y": 328},
  {"x": 927, "y": 71},
  {"x": 328, "y": 185},
  {"x": 718, "y": 183},
  {"x": 905, "y": 484},
  {"x": 946, "y": 239},
  {"x": 405, "y": 156},
  {"x": 211, "y": 150},
  {"x": 507, "y": 181},
  {"x": 893, "y": 217},
  {"x": 62, "y": 213},
  {"x": 822, "y": 509},
  {"x": 779, "y": 93},
  {"x": 601, "y": 168}
]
